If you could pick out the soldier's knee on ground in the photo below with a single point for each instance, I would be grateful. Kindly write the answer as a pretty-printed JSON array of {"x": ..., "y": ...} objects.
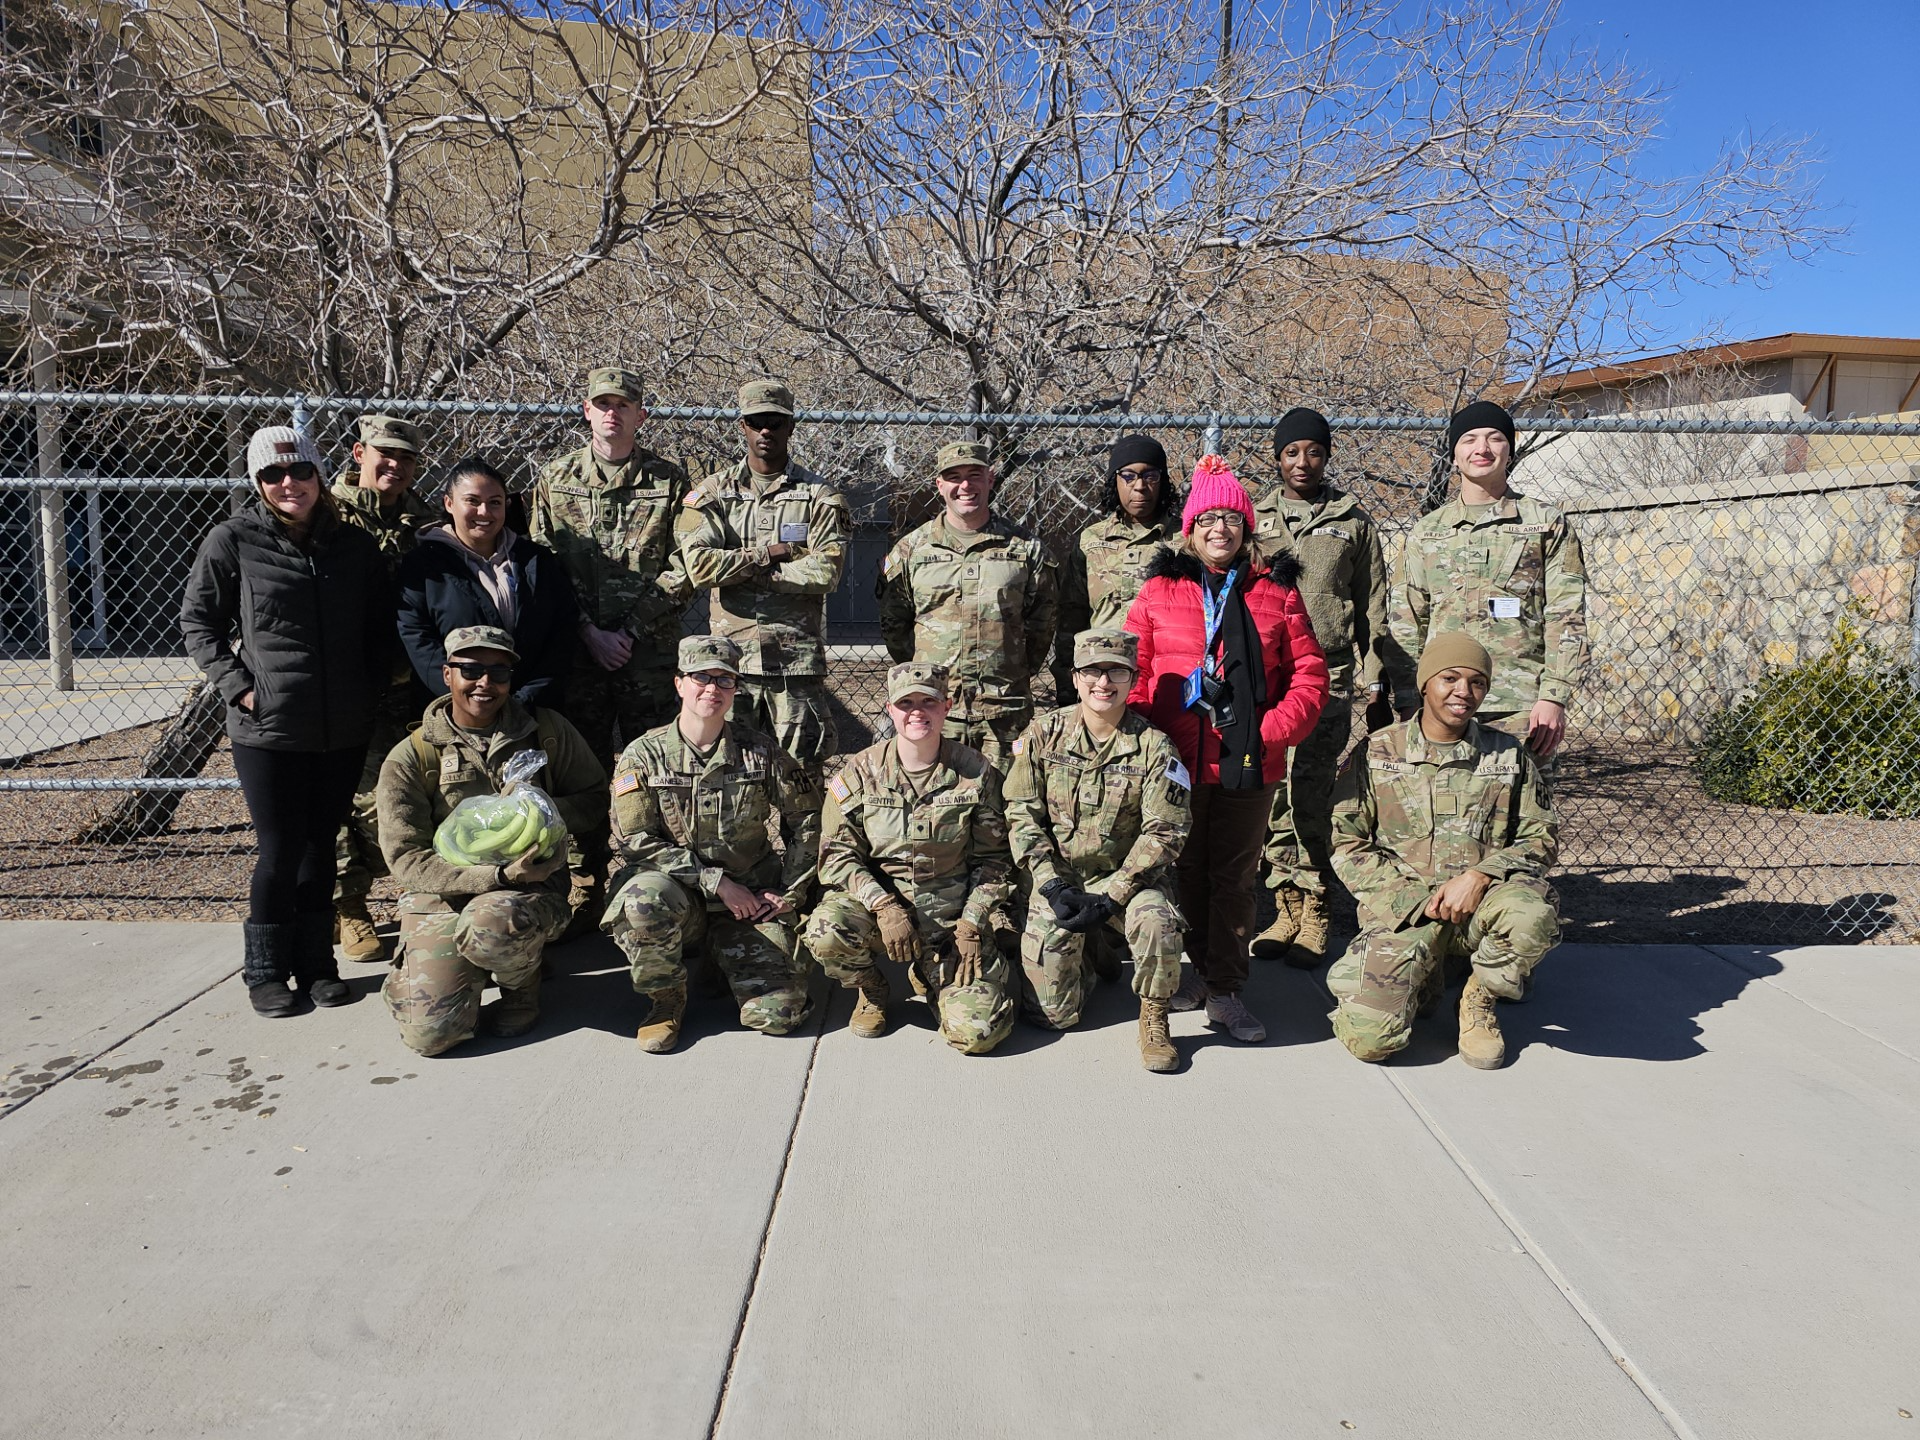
[
  {"x": 776, "y": 1012},
  {"x": 1370, "y": 1034},
  {"x": 975, "y": 1018}
]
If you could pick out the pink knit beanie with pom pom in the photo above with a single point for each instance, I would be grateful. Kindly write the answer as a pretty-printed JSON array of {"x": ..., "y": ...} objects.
[{"x": 1214, "y": 488}]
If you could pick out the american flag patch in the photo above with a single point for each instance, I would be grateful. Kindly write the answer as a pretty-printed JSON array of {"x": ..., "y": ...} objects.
[{"x": 626, "y": 784}]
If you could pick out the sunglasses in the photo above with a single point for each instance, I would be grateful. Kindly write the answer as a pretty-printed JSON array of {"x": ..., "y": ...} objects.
[
  {"x": 274, "y": 474},
  {"x": 1145, "y": 475},
  {"x": 766, "y": 422},
  {"x": 474, "y": 670}
]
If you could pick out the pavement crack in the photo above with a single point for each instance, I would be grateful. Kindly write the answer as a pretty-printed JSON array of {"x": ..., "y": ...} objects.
[
  {"x": 766, "y": 1231},
  {"x": 1719, "y": 953}
]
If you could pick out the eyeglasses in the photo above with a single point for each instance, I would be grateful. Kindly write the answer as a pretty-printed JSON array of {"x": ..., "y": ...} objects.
[
  {"x": 714, "y": 681},
  {"x": 474, "y": 670},
  {"x": 766, "y": 422},
  {"x": 1142, "y": 475},
  {"x": 1217, "y": 519},
  {"x": 1112, "y": 674},
  {"x": 274, "y": 474}
]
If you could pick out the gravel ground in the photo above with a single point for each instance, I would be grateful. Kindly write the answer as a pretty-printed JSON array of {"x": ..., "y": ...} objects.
[{"x": 1645, "y": 855}]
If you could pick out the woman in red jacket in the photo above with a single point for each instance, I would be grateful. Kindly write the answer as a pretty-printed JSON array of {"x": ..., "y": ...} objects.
[{"x": 1230, "y": 669}]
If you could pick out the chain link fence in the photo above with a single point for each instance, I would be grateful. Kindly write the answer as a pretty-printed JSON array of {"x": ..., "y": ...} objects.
[{"x": 1738, "y": 764}]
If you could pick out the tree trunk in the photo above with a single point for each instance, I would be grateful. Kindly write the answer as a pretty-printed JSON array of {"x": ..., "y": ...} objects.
[{"x": 181, "y": 753}]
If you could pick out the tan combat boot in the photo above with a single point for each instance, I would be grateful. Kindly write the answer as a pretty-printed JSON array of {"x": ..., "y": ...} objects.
[
  {"x": 1481, "y": 1044},
  {"x": 353, "y": 928},
  {"x": 516, "y": 1011},
  {"x": 1309, "y": 948},
  {"x": 1156, "y": 1045},
  {"x": 662, "y": 1030},
  {"x": 1272, "y": 942},
  {"x": 869, "y": 1004}
]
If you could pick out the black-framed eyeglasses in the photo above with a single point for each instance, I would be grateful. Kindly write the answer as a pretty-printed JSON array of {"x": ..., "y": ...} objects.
[
  {"x": 475, "y": 670},
  {"x": 1112, "y": 674},
  {"x": 766, "y": 422},
  {"x": 718, "y": 680},
  {"x": 302, "y": 472}
]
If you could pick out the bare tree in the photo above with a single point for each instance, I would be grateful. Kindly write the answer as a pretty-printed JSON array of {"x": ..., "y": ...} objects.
[{"x": 368, "y": 198}]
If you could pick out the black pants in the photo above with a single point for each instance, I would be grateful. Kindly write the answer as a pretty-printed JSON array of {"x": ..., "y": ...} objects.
[{"x": 298, "y": 801}]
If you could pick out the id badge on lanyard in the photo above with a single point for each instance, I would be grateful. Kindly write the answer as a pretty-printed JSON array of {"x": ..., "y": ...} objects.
[{"x": 1215, "y": 610}]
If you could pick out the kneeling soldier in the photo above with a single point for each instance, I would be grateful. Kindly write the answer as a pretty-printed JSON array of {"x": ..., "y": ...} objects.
[
  {"x": 1097, "y": 811},
  {"x": 463, "y": 924},
  {"x": 914, "y": 862},
  {"x": 696, "y": 864},
  {"x": 1444, "y": 834}
]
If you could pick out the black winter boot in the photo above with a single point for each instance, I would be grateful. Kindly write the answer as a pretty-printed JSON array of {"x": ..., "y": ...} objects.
[
  {"x": 268, "y": 961},
  {"x": 313, "y": 961}
]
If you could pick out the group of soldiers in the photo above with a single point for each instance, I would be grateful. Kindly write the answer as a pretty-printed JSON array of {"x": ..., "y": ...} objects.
[{"x": 1005, "y": 859}]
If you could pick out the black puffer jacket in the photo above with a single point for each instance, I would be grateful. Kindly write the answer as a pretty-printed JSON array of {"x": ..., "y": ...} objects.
[
  {"x": 439, "y": 594},
  {"x": 314, "y": 627}
]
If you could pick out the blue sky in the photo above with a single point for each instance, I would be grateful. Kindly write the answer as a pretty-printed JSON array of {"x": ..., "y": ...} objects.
[{"x": 1843, "y": 75}]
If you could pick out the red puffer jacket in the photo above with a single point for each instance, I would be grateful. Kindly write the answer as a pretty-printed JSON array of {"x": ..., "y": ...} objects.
[{"x": 1168, "y": 618}]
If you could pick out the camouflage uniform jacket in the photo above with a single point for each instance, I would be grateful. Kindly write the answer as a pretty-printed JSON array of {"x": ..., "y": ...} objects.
[
  {"x": 699, "y": 822},
  {"x": 395, "y": 534},
  {"x": 777, "y": 614},
  {"x": 1074, "y": 815},
  {"x": 879, "y": 838},
  {"x": 616, "y": 541},
  {"x": 417, "y": 791},
  {"x": 1104, "y": 571},
  {"x": 1343, "y": 580},
  {"x": 982, "y": 604},
  {"x": 1409, "y": 815},
  {"x": 1512, "y": 577}
]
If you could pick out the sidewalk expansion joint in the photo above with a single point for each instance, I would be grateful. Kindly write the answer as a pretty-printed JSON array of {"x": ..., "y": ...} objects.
[
  {"x": 1641, "y": 1380},
  {"x": 766, "y": 1230},
  {"x": 1719, "y": 954}
]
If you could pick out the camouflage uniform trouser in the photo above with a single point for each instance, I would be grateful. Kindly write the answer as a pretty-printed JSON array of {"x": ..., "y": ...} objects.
[
  {"x": 793, "y": 709},
  {"x": 993, "y": 737},
  {"x": 845, "y": 939},
  {"x": 356, "y": 850},
  {"x": 1378, "y": 981},
  {"x": 446, "y": 957},
  {"x": 1299, "y": 850},
  {"x": 654, "y": 919},
  {"x": 1055, "y": 975}
]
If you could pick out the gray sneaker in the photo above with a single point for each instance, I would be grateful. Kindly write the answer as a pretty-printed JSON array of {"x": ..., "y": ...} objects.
[
  {"x": 1239, "y": 1022},
  {"x": 1192, "y": 993}
]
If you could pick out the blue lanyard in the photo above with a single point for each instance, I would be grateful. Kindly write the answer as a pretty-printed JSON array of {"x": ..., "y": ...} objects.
[{"x": 1215, "y": 609}]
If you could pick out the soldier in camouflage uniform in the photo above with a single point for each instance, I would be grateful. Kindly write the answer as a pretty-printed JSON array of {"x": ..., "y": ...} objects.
[
  {"x": 1098, "y": 807},
  {"x": 977, "y": 595},
  {"x": 607, "y": 510},
  {"x": 770, "y": 538},
  {"x": 1507, "y": 570},
  {"x": 461, "y": 925},
  {"x": 1444, "y": 833},
  {"x": 915, "y": 866},
  {"x": 375, "y": 493},
  {"x": 1108, "y": 561},
  {"x": 691, "y": 805},
  {"x": 1343, "y": 580}
]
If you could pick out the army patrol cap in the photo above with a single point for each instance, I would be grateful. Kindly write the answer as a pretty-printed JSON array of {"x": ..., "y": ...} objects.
[
  {"x": 614, "y": 380},
  {"x": 1450, "y": 649},
  {"x": 1106, "y": 646},
  {"x": 701, "y": 653},
  {"x": 962, "y": 452},
  {"x": 480, "y": 637},
  {"x": 280, "y": 445},
  {"x": 916, "y": 677},
  {"x": 387, "y": 432},
  {"x": 765, "y": 397}
]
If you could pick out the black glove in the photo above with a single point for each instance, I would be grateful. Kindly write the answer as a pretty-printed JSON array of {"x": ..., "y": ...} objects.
[
  {"x": 1066, "y": 901},
  {"x": 1095, "y": 911},
  {"x": 1379, "y": 712}
]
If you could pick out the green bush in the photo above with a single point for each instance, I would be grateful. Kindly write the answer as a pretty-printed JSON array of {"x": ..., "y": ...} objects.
[{"x": 1837, "y": 734}]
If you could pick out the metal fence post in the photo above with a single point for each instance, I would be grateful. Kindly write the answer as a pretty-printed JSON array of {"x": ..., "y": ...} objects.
[{"x": 53, "y": 521}]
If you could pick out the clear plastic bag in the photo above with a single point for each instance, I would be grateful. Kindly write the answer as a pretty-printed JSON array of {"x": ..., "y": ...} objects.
[{"x": 495, "y": 829}]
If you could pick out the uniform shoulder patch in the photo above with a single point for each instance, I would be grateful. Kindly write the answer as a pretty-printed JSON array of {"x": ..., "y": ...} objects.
[
  {"x": 1177, "y": 773},
  {"x": 840, "y": 789},
  {"x": 626, "y": 783},
  {"x": 695, "y": 497},
  {"x": 1020, "y": 745}
]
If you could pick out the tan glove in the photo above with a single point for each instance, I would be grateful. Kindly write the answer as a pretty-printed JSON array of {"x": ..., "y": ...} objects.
[
  {"x": 899, "y": 935},
  {"x": 966, "y": 940},
  {"x": 525, "y": 872}
]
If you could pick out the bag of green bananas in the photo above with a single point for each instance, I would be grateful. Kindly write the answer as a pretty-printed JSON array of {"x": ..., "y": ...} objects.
[{"x": 495, "y": 829}]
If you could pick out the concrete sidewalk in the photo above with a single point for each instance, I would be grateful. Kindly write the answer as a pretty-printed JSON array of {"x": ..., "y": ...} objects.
[
  {"x": 108, "y": 695},
  {"x": 1685, "y": 1208}
]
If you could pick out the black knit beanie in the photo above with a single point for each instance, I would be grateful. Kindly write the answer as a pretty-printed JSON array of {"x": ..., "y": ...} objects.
[
  {"x": 1136, "y": 450},
  {"x": 1301, "y": 423},
  {"x": 1481, "y": 415}
]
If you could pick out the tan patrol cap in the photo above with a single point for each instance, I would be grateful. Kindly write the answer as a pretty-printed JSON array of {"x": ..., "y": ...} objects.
[
  {"x": 480, "y": 637},
  {"x": 916, "y": 677},
  {"x": 1105, "y": 645},
  {"x": 765, "y": 397},
  {"x": 962, "y": 452},
  {"x": 388, "y": 432},
  {"x": 1450, "y": 649},
  {"x": 615, "y": 380},
  {"x": 700, "y": 653}
]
